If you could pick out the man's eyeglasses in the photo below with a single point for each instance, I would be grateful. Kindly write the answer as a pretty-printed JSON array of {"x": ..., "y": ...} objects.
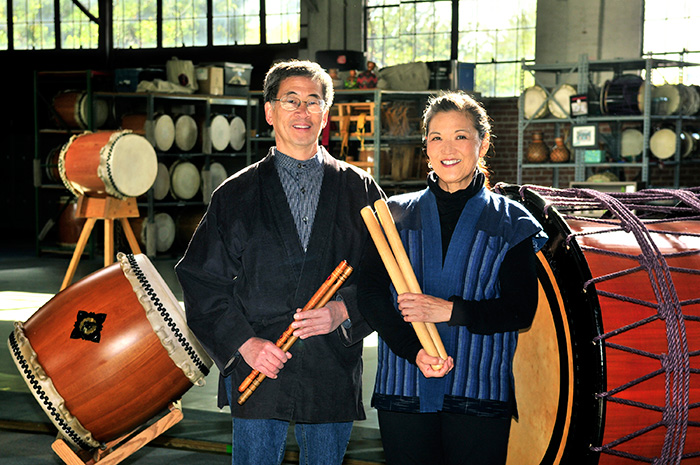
[{"x": 292, "y": 103}]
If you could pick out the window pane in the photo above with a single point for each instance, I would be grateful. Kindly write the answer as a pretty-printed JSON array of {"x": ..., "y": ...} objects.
[
  {"x": 77, "y": 29},
  {"x": 4, "y": 40},
  {"x": 134, "y": 23},
  {"x": 184, "y": 23},
  {"x": 282, "y": 21},
  {"x": 236, "y": 22},
  {"x": 33, "y": 24}
]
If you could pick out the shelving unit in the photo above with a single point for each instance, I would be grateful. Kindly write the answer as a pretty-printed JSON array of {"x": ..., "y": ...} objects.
[
  {"x": 583, "y": 69},
  {"x": 372, "y": 101},
  {"x": 199, "y": 105}
]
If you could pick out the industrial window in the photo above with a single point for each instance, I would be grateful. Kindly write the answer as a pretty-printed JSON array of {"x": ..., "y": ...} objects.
[
  {"x": 236, "y": 22},
  {"x": 184, "y": 23},
  {"x": 403, "y": 31},
  {"x": 670, "y": 32},
  {"x": 79, "y": 29},
  {"x": 134, "y": 23},
  {"x": 4, "y": 42},
  {"x": 33, "y": 24},
  {"x": 282, "y": 21}
]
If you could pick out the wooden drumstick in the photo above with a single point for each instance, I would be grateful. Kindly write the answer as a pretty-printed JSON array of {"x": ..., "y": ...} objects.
[
  {"x": 323, "y": 300},
  {"x": 397, "y": 278},
  {"x": 392, "y": 234},
  {"x": 312, "y": 303}
]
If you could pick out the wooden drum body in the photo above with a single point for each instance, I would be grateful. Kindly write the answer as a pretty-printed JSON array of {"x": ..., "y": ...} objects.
[
  {"x": 609, "y": 372},
  {"x": 116, "y": 163},
  {"x": 108, "y": 353},
  {"x": 72, "y": 107}
]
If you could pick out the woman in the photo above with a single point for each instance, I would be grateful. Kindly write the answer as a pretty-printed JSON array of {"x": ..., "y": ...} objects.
[{"x": 473, "y": 252}]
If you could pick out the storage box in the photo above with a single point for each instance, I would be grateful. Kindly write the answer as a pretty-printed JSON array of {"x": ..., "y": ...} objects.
[
  {"x": 451, "y": 75},
  {"x": 210, "y": 80},
  {"x": 593, "y": 156},
  {"x": 236, "y": 77},
  {"x": 127, "y": 79}
]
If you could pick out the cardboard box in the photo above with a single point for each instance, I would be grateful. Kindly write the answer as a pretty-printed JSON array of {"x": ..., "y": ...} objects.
[
  {"x": 210, "y": 80},
  {"x": 236, "y": 77}
]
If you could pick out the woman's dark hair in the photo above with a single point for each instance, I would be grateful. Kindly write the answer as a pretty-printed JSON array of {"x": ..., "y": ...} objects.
[
  {"x": 281, "y": 71},
  {"x": 465, "y": 104}
]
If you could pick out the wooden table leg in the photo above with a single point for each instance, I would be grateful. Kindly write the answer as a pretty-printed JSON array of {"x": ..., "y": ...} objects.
[
  {"x": 79, "y": 247},
  {"x": 130, "y": 237},
  {"x": 109, "y": 241}
]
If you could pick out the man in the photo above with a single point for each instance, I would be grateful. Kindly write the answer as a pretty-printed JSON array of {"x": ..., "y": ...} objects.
[{"x": 272, "y": 234}]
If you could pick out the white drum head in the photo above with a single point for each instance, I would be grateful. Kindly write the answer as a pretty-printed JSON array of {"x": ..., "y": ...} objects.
[
  {"x": 632, "y": 143},
  {"x": 184, "y": 180},
  {"x": 561, "y": 95},
  {"x": 161, "y": 186},
  {"x": 217, "y": 174},
  {"x": 687, "y": 144},
  {"x": 237, "y": 133},
  {"x": 220, "y": 133},
  {"x": 532, "y": 98},
  {"x": 186, "y": 132},
  {"x": 163, "y": 227},
  {"x": 663, "y": 144},
  {"x": 164, "y": 132},
  {"x": 100, "y": 110},
  {"x": 128, "y": 165},
  {"x": 667, "y": 100}
]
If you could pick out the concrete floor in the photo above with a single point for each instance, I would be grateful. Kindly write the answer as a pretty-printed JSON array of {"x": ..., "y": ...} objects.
[{"x": 27, "y": 281}]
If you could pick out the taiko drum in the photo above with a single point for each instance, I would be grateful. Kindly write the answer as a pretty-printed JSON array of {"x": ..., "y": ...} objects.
[
  {"x": 599, "y": 372},
  {"x": 108, "y": 353},
  {"x": 110, "y": 163}
]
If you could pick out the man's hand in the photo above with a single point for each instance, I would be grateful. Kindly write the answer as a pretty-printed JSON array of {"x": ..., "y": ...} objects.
[
  {"x": 319, "y": 321},
  {"x": 264, "y": 356},
  {"x": 425, "y": 308},
  {"x": 425, "y": 363}
]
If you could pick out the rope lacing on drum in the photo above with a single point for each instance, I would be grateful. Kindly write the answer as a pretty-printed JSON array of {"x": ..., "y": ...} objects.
[
  {"x": 179, "y": 335},
  {"x": 675, "y": 365}
]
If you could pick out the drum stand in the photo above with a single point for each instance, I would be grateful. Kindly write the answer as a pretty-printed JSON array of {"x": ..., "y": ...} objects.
[
  {"x": 107, "y": 209},
  {"x": 119, "y": 449}
]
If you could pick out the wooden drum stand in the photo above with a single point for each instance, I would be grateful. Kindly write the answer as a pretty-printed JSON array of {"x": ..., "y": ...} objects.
[
  {"x": 121, "y": 448},
  {"x": 107, "y": 209}
]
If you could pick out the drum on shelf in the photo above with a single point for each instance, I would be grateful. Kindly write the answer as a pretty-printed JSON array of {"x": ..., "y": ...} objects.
[
  {"x": 632, "y": 143},
  {"x": 615, "y": 344},
  {"x": 51, "y": 164},
  {"x": 108, "y": 353},
  {"x": 185, "y": 180},
  {"x": 161, "y": 232},
  {"x": 534, "y": 102},
  {"x": 237, "y": 133},
  {"x": 186, "y": 132},
  {"x": 620, "y": 96},
  {"x": 220, "y": 132},
  {"x": 690, "y": 100},
  {"x": 109, "y": 163},
  {"x": 72, "y": 108},
  {"x": 163, "y": 130},
  {"x": 161, "y": 186},
  {"x": 212, "y": 178},
  {"x": 663, "y": 142},
  {"x": 559, "y": 104},
  {"x": 667, "y": 100}
]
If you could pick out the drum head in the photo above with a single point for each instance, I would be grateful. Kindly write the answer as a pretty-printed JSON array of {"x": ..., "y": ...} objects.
[
  {"x": 164, "y": 132},
  {"x": 663, "y": 143},
  {"x": 100, "y": 110},
  {"x": 666, "y": 100},
  {"x": 220, "y": 132},
  {"x": 559, "y": 105},
  {"x": 534, "y": 101},
  {"x": 161, "y": 186},
  {"x": 184, "y": 180},
  {"x": 186, "y": 132},
  {"x": 237, "y": 133},
  {"x": 632, "y": 143},
  {"x": 163, "y": 227},
  {"x": 217, "y": 174},
  {"x": 128, "y": 165}
]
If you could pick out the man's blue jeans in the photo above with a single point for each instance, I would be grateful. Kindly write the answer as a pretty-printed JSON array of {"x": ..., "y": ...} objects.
[{"x": 262, "y": 442}]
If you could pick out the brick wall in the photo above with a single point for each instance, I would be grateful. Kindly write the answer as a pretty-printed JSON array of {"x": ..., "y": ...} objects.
[{"x": 503, "y": 162}]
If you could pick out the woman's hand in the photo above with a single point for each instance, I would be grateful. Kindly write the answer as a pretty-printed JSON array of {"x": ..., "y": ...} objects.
[
  {"x": 425, "y": 364},
  {"x": 425, "y": 308}
]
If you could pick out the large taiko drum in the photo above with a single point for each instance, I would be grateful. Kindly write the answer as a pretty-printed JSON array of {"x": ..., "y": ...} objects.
[
  {"x": 116, "y": 163},
  {"x": 108, "y": 353},
  {"x": 609, "y": 372},
  {"x": 72, "y": 107},
  {"x": 621, "y": 96},
  {"x": 160, "y": 131}
]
